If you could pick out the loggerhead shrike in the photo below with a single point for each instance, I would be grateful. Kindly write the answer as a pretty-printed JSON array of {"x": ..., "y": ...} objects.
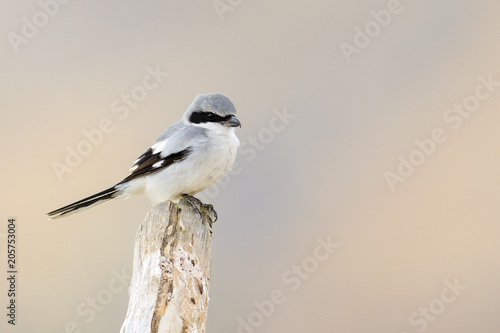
[{"x": 192, "y": 155}]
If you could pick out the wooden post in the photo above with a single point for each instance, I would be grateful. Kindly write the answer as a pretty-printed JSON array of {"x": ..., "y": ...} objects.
[{"x": 169, "y": 291}]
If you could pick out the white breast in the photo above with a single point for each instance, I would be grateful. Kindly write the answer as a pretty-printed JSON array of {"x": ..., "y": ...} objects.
[{"x": 209, "y": 162}]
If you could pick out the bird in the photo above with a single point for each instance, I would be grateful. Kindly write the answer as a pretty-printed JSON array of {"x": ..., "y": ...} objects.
[{"x": 189, "y": 157}]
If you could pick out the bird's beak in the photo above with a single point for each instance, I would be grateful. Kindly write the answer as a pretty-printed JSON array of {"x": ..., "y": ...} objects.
[{"x": 232, "y": 122}]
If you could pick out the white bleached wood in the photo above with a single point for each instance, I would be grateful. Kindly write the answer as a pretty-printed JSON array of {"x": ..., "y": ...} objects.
[{"x": 169, "y": 291}]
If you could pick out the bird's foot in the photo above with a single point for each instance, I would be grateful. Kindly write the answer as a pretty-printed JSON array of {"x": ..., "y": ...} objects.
[{"x": 194, "y": 202}]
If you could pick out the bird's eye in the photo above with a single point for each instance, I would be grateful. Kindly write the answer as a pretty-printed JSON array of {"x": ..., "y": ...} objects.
[{"x": 211, "y": 116}]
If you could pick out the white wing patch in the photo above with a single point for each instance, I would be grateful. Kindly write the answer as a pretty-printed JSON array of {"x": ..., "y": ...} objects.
[
  {"x": 159, "y": 146},
  {"x": 158, "y": 164}
]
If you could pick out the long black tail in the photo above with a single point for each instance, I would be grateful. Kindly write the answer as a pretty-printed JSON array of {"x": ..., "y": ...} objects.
[{"x": 86, "y": 203}]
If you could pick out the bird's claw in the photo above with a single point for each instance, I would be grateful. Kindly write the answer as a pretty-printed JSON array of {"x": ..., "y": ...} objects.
[{"x": 193, "y": 202}]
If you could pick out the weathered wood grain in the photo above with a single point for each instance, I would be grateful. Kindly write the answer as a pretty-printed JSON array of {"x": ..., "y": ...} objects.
[{"x": 169, "y": 291}]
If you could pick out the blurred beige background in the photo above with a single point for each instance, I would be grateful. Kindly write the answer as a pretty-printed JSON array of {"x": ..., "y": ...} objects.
[{"x": 422, "y": 257}]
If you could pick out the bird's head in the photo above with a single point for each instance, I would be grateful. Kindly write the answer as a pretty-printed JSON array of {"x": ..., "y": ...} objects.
[{"x": 211, "y": 110}]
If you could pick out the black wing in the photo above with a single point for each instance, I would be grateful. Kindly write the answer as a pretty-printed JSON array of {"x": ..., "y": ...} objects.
[{"x": 150, "y": 162}]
